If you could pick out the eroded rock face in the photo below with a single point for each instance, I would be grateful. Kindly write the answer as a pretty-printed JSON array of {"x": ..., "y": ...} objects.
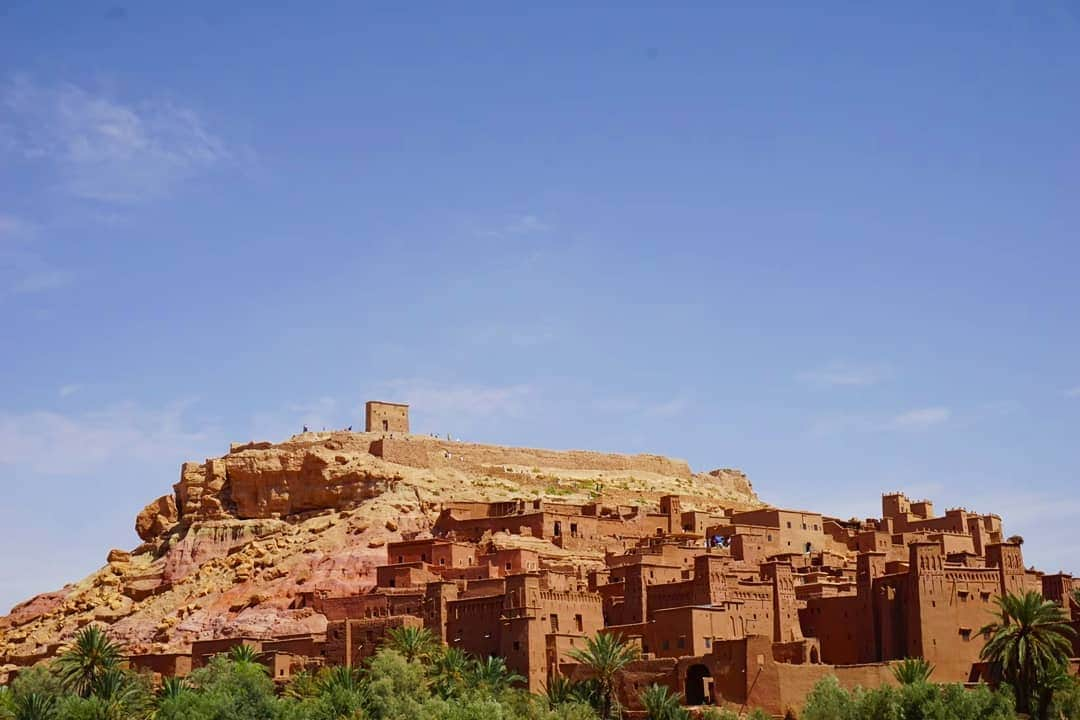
[
  {"x": 276, "y": 483},
  {"x": 156, "y": 518},
  {"x": 245, "y": 536}
]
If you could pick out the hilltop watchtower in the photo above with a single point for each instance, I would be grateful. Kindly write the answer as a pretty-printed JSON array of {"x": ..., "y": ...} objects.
[{"x": 386, "y": 417}]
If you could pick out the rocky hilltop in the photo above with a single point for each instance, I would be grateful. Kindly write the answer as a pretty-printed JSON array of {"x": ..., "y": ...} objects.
[{"x": 244, "y": 536}]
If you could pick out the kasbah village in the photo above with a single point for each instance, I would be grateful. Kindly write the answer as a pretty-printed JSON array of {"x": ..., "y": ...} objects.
[{"x": 312, "y": 550}]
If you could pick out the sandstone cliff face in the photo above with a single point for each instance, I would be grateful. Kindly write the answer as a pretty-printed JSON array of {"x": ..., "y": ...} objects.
[{"x": 243, "y": 536}]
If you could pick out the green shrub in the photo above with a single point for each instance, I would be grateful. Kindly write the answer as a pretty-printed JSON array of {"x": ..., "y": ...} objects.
[
  {"x": 224, "y": 690},
  {"x": 916, "y": 701},
  {"x": 396, "y": 688},
  {"x": 828, "y": 701},
  {"x": 719, "y": 714}
]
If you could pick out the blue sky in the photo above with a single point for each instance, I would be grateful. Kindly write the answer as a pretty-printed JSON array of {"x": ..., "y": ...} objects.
[{"x": 836, "y": 248}]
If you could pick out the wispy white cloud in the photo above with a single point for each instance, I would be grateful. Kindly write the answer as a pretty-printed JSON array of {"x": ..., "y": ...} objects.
[
  {"x": 920, "y": 418},
  {"x": 42, "y": 280},
  {"x": 636, "y": 406},
  {"x": 10, "y": 226},
  {"x": 518, "y": 336},
  {"x": 1073, "y": 392},
  {"x": 105, "y": 149},
  {"x": 845, "y": 375},
  {"x": 324, "y": 412},
  {"x": 52, "y": 443},
  {"x": 23, "y": 269},
  {"x": 515, "y": 226},
  {"x": 668, "y": 408},
  {"x": 464, "y": 399},
  {"x": 839, "y": 423},
  {"x": 68, "y": 390}
]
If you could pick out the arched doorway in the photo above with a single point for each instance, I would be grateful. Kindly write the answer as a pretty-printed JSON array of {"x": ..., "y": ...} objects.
[
  {"x": 698, "y": 685},
  {"x": 813, "y": 656}
]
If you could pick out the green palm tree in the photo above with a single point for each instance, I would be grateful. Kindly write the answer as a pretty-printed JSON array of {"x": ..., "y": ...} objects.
[
  {"x": 172, "y": 688},
  {"x": 449, "y": 670},
  {"x": 302, "y": 686},
  {"x": 34, "y": 706},
  {"x": 90, "y": 655},
  {"x": 1029, "y": 636},
  {"x": 662, "y": 704},
  {"x": 343, "y": 691},
  {"x": 7, "y": 703},
  {"x": 559, "y": 691},
  {"x": 1054, "y": 679},
  {"x": 243, "y": 654},
  {"x": 562, "y": 690},
  {"x": 910, "y": 671},
  {"x": 413, "y": 643},
  {"x": 119, "y": 697},
  {"x": 587, "y": 692},
  {"x": 492, "y": 674},
  {"x": 606, "y": 655},
  {"x": 340, "y": 677}
]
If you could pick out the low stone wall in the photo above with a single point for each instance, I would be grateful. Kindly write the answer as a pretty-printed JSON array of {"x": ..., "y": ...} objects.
[{"x": 425, "y": 452}]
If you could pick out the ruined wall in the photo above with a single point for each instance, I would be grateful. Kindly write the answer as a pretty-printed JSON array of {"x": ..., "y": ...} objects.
[
  {"x": 422, "y": 451},
  {"x": 834, "y": 621},
  {"x": 351, "y": 642},
  {"x": 164, "y": 664},
  {"x": 379, "y": 604},
  {"x": 474, "y": 624}
]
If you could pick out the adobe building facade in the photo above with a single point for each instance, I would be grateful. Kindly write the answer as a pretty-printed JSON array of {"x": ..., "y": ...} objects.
[
  {"x": 726, "y": 606},
  {"x": 386, "y": 417}
]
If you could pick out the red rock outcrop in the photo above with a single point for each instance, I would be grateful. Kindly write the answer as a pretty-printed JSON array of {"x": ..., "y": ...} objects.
[{"x": 156, "y": 518}]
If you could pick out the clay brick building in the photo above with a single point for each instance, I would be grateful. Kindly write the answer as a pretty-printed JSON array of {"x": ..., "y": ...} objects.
[
  {"x": 726, "y": 606},
  {"x": 386, "y": 417}
]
